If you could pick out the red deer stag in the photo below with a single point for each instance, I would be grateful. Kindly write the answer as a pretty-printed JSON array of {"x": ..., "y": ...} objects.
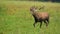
[{"x": 39, "y": 16}]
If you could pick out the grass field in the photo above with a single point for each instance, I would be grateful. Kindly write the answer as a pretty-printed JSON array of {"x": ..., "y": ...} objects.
[{"x": 15, "y": 18}]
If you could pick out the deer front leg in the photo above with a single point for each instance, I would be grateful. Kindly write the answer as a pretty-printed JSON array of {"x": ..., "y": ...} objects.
[
  {"x": 40, "y": 24},
  {"x": 34, "y": 24}
]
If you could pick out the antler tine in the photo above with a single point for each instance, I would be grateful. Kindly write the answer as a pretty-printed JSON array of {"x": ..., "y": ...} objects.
[{"x": 41, "y": 7}]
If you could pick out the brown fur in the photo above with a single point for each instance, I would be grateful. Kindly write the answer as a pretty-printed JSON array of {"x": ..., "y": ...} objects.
[{"x": 42, "y": 15}]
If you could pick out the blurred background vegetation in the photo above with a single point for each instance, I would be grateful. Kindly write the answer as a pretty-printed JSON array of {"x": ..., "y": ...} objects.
[
  {"x": 15, "y": 17},
  {"x": 35, "y": 0}
]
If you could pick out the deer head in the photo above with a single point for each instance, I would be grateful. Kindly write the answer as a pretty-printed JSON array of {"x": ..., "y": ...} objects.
[{"x": 33, "y": 9}]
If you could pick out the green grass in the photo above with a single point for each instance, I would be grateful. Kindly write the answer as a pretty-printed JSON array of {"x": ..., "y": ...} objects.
[{"x": 15, "y": 18}]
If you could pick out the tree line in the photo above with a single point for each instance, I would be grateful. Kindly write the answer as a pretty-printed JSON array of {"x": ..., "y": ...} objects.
[{"x": 47, "y": 0}]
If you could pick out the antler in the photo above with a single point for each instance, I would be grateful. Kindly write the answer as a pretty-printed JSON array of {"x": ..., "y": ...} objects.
[{"x": 41, "y": 7}]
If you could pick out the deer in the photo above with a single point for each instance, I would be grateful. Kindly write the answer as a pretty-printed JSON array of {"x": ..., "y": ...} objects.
[{"x": 39, "y": 16}]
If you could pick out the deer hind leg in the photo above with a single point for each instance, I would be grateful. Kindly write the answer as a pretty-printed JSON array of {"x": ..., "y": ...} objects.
[
  {"x": 46, "y": 23},
  {"x": 47, "y": 20}
]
